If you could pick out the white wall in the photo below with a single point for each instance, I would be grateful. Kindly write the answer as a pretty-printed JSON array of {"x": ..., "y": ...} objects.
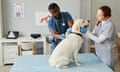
[
  {"x": 85, "y": 9},
  {"x": 114, "y": 4},
  {"x": 85, "y": 13},
  {"x": 26, "y": 25},
  {"x": 0, "y": 33},
  {"x": 0, "y": 19}
]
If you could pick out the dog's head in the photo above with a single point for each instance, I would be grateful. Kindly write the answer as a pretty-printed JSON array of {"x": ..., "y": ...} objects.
[{"x": 79, "y": 23}]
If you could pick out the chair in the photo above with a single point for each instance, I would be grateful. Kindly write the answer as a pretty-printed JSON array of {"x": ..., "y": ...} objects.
[
  {"x": 116, "y": 51},
  {"x": 118, "y": 44},
  {"x": 49, "y": 39},
  {"x": 92, "y": 48},
  {"x": 26, "y": 48}
]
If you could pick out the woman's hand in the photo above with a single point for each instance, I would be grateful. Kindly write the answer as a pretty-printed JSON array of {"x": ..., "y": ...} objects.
[{"x": 98, "y": 22}]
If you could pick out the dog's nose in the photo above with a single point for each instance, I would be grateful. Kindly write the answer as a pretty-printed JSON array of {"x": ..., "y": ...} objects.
[
  {"x": 86, "y": 26},
  {"x": 88, "y": 21}
]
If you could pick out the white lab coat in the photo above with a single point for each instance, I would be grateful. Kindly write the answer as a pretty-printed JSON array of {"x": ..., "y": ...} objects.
[{"x": 103, "y": 36}]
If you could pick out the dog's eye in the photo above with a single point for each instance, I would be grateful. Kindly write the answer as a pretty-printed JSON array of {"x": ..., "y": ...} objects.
[
  {"x": 83, "y": 21},
  {"x": 88, "y": 21}
]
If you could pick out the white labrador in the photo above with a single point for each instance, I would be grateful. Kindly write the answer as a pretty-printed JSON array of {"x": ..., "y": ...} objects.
[{"x": 69, "y": 47}]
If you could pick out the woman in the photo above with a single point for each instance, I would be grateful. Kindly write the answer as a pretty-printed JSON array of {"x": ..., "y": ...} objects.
[{"x": 103, "y": 36}]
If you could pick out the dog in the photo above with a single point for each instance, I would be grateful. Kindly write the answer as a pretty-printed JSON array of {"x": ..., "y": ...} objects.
[{"x": 69, "y": 47}]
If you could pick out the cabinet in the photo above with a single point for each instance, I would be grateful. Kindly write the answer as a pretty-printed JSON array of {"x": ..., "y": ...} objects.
[
  {"x": 9, "y": 51},
  {"x": 9, "y": 48}
]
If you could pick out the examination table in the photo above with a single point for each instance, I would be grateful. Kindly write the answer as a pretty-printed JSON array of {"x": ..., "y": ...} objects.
[{"x": 39, "y": 63}]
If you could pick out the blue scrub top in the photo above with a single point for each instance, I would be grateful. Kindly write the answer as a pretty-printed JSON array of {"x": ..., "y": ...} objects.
[{"x": 60, "y": 25}]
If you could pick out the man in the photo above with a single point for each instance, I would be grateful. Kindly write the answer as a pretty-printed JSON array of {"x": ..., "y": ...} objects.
[{"x": 58, "y": 24}]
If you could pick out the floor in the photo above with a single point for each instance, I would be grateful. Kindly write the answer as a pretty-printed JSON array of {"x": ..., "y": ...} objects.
[{"x": 6, "y": 68}]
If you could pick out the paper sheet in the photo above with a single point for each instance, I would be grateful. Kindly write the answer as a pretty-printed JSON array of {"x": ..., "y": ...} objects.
[{"x": 18, "y": 9}]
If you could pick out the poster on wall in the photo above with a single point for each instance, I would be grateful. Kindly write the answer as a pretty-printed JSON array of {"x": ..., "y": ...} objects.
[
  {"x": 41, "y": 18},
  {"x": 18, "y": 10}
]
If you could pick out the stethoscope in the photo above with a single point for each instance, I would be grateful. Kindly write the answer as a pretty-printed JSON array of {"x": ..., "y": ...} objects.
[
  {"x": 63, "y": 24},
  {"x": 63, "y": 20}
]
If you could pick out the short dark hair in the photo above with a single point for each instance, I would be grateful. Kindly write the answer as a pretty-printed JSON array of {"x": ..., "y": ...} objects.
[
  {"x": 106, "y": 10},
  {"x": 52, "y": 6}
]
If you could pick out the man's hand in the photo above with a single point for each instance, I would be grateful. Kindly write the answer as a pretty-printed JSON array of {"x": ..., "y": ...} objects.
[
  {"x": 44, "y": 19},
  {"x": 62, "y": 36},
  {"x": 69, "y": 30},
  {"x": 58, "y": 36},
  {"x": 70, "y": 23}
]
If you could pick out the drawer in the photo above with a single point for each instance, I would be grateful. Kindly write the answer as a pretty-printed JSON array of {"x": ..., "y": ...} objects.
[
  {"x": 10, "y": 51},
  {"x": 10, "y": 47},
  {"x": 9, "y": 60},
  {"x": 12, "y": 55}
]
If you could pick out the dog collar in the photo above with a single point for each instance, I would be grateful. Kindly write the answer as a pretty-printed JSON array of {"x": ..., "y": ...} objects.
[{"x": 77, "y": 34}]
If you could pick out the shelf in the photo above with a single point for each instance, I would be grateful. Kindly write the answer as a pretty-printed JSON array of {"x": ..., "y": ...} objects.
[{"x": 22, "y": 39}]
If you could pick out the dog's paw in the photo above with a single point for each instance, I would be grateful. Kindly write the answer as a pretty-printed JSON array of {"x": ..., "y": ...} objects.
[
  {"x": 62, "y": 67},
  {"x": 78, "y": 64}
]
